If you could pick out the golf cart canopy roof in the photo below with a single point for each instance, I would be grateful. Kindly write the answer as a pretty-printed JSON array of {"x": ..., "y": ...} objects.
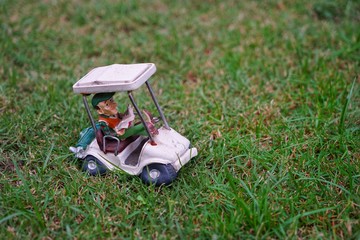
[{"x": 115, "y": 78}]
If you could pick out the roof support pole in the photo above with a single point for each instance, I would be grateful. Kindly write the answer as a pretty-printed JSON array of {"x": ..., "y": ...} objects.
[
  {"x": 88, "y": 112},
  {"x": 140, "y": 115},
  {"x": 157, "y": 106}
]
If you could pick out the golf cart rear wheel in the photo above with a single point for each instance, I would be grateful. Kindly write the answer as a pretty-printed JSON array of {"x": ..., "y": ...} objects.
[
  {"x": 93, "y": 166},
  {"x": 158, "y": 174}
]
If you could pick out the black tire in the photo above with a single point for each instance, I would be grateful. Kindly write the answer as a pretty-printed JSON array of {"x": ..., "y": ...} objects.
[
  {"x": 93, "y": 166},
  {"x": 158, "y": 174}
]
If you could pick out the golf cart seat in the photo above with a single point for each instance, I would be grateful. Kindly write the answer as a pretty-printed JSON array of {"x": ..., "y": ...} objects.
[{"x": 112, "y": 144}]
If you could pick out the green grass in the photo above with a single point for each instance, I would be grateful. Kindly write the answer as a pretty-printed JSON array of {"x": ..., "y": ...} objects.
[{"x": 268, "y": 91}]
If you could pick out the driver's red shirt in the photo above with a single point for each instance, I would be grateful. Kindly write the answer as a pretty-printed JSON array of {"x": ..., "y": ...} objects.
[{"x": 112, "y": 122}]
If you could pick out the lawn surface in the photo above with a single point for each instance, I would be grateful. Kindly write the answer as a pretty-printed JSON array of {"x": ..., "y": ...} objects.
[{"x": 268, "y": 91}]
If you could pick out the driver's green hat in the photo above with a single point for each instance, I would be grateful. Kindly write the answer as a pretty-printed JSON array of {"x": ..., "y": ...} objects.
[{"x": 100, "y": 97}]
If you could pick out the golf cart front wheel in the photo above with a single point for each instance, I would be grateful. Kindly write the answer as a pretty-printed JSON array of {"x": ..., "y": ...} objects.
[
  {"x": 158, "y": 174},
  {"x": 93, "y": 166}
]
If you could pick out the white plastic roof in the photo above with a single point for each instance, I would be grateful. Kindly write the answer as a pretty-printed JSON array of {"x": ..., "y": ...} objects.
[{"x": 115, "y": 78}]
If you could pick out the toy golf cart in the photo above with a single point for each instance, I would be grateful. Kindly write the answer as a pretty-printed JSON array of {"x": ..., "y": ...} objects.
[{"x": 156, "y": 158}]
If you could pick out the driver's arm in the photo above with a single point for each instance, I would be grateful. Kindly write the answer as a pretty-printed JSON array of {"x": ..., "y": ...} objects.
[{"x": 135, "y": 130}]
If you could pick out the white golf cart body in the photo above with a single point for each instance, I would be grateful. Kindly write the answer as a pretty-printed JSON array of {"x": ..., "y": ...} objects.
[
  {"x": 171, "y": 148},
  {"x": 167, "y": 147}
]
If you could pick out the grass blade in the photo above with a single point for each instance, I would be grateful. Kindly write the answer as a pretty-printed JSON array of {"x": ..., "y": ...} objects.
[{"x": 345, "y": 108}]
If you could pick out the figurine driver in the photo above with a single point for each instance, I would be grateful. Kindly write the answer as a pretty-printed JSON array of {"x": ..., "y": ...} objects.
[{"x": 109, "y": 120}]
